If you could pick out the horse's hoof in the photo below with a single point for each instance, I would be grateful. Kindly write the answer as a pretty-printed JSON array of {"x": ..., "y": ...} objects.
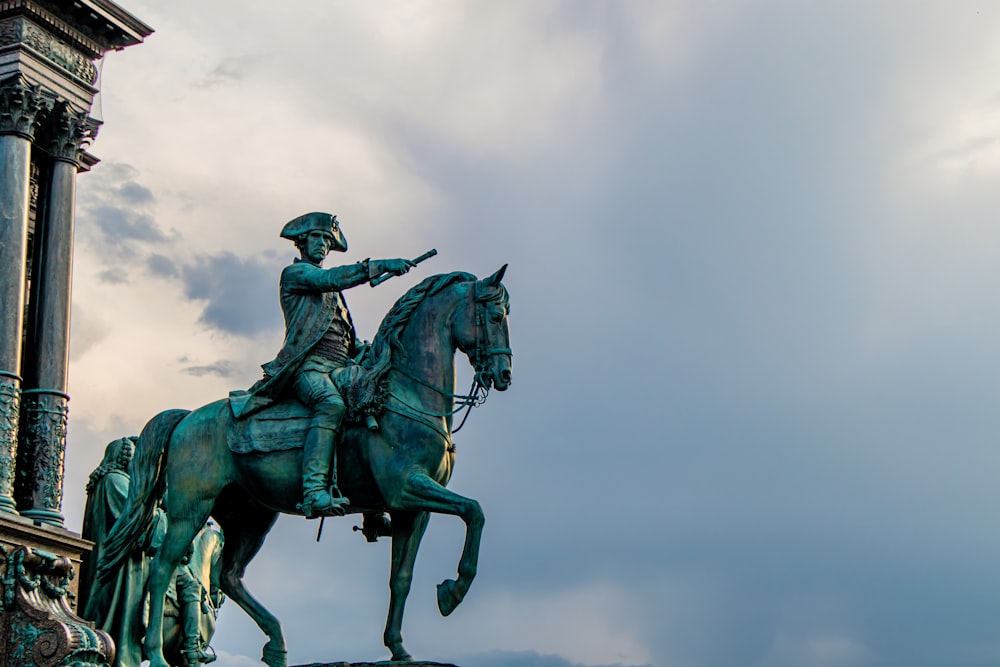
[
  {"x": 399, "y": 653},
  {"x": 274, "y": 657},
  {"x": 448, "y": 596}
]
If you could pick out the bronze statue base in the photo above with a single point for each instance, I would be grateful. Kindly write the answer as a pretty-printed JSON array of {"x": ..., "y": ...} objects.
[{"x": 381, "y": 663}]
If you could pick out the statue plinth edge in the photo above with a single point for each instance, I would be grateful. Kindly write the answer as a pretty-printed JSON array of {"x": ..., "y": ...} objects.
[
  {"x": 38, "y": 585},
  {"x": 381, "y": 663}
]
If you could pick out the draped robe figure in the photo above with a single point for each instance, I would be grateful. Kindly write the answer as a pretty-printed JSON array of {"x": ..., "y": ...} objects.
[
  {"x": 118, "y": 606},
  {"x": 115, "y": 606}
]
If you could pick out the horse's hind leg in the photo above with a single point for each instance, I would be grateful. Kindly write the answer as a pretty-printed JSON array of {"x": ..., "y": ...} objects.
[
  {"x": 244, "y": 524},
  {"x": 407, "y": 530},
  {"x": 422, "y": 494}
]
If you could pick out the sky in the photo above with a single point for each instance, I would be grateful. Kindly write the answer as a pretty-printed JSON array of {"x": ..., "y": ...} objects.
[{"x": 753, "y": 256}]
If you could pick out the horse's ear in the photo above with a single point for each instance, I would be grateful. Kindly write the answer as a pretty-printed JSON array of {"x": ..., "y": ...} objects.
[{"x": 494, "y": 280}]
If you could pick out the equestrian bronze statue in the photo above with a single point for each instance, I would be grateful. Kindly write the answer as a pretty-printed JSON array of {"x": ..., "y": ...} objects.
[{"x": 241, "y": 460}]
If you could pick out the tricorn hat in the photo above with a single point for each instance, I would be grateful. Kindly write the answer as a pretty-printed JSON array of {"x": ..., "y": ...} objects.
[{"x": 319, "y": 222}]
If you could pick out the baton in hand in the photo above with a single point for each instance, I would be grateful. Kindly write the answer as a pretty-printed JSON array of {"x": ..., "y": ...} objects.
[{"x": 381, "y": 279}]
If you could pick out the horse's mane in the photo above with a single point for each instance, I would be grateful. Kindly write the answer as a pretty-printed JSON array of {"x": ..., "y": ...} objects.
[
  {"x": 369, "y": 388},
  {"x": 387, "y": 338}
]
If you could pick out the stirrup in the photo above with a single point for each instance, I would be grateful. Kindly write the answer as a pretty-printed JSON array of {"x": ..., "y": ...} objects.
[
  {"x": 315, "y": 505},
  {"x": 196, "y": 656}
]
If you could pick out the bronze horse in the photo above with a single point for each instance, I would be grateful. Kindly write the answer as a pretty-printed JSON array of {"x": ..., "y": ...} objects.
[{"x": 401, "y": 468}]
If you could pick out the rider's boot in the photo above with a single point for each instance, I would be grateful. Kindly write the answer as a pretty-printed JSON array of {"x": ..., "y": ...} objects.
[
  {"x": 192, "y": 653},
  {"x": 317, "y": 460}
]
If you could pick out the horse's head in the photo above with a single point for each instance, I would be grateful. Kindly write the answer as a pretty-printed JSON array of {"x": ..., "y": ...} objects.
[{"x": 486, "y": 339}]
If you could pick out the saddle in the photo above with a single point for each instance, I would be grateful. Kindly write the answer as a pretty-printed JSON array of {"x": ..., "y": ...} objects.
[
  {"x": 276, "y": 427},
  {"x": 263, "y": 424}
]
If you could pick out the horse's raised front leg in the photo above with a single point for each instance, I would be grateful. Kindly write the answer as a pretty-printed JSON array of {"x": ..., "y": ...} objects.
[
  {"x": 407, "y": 530},
  {"x": 420, "y": 493},
  {"x": 180, "y": 534},
  {"x": 243, "y": 529}
]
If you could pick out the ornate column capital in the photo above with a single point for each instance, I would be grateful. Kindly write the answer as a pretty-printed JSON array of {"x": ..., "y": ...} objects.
[
  {"x": 69, "y": 132},
  {"x": 22, "y": 106}
]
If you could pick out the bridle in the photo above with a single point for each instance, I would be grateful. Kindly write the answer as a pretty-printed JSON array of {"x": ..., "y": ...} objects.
[
  {"x": 484, "y": 350},
  {"x": 480, "y": 357}
]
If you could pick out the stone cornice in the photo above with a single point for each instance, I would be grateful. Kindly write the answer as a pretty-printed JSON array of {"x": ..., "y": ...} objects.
[
  {"x": 21, "y": 531},
  {"x": 53, "y": 24},
  {"x": 91, "y": 26},
  {"x": 131, "y": 30}
]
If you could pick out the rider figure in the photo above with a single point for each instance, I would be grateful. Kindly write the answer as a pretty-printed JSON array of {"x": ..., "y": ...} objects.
[{"x": 319, "y": 343}]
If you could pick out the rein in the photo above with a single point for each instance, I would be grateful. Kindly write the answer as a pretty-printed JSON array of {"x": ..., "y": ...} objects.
[{"x": 477, "y": 396}]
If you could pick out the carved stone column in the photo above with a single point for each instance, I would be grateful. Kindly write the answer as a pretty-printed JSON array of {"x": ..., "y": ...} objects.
[
  {"x": 21, "y": 106},
  {"x": 48, "y": 84},
  {"x": 44, "y": 422},
  {"x": 44, "y": 397}
]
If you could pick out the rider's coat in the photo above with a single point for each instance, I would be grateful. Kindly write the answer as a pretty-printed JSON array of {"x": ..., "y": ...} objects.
[{"x": 310, "y": 300}]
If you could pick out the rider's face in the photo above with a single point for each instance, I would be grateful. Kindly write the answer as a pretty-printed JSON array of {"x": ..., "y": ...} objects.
[{"x": 317, "y": 246}]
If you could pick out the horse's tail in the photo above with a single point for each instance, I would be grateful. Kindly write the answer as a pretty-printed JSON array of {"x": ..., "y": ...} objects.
[{"x": 146, "y": 487}]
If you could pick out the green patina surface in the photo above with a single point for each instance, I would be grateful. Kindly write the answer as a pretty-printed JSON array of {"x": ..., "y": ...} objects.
[{"x": 377, "y": 442}]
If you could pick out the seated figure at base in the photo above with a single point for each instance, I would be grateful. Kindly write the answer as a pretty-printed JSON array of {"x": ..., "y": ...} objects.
[{"x": 194, "y": 598}]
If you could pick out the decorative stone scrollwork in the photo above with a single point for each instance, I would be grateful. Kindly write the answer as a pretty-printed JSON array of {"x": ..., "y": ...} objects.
[
  {"x": 21, "y": 108},
  {"x": 10, "y": 32},
  {"x": 10, "y": 402},
  {"x": 22, "y": 31},
  {"x": 41, "y": 629},
  {"x": 45, "y": 415}
]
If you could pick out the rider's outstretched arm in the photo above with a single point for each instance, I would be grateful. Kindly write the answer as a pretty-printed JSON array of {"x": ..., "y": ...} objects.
[{"x": 306, "y": 277}]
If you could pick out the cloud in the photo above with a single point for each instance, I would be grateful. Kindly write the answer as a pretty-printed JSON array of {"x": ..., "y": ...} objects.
[
  {"x": 229, "y": 70},
  {"x": 222, "y": 368},
  {"x": 88, "y": 330},
  {"x": 113, "y": 276},
  {"x": 239, "y": 295},
  {"x": 162, "y": 266},
  {"x": 753, "y": 258},
  {"x": 821, "y": 650},
  {"x": 226, "y": 659},
  {"x": 116, "y": 219},
  {"x": 525, "y": 659},
  {"x": 121, "y": 225},
  {"x": 135, "y": 194}
]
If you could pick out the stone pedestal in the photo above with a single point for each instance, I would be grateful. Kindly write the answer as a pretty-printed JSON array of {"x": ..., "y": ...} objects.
[{"x": 38, "y": 624}]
